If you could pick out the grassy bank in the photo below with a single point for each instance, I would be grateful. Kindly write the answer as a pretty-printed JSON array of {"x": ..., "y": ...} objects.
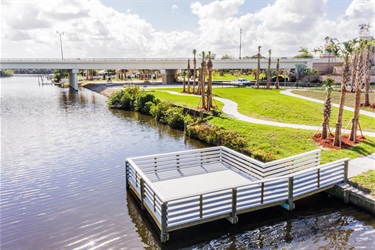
[
  {"x": 365, "y": 181},
  {"x": 335, "y": 97}
]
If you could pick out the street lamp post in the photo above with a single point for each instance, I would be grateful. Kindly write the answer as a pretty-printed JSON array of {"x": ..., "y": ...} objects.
[
  {"x": 60, "y": 34},
  {"x": 240, "y": 41}
]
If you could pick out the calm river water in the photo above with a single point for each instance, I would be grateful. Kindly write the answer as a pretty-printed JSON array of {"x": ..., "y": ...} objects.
[{"x": 63, "y": 184}]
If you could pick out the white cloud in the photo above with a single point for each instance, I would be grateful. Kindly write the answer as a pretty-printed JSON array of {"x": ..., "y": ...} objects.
[
  {"x": 28, "y": 29},
  {"x": 174, "y": 8}
]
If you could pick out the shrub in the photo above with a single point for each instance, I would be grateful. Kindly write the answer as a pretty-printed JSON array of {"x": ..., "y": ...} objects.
[
  {"x": 159, "y": 110},
  {"x": 142, "y": 99},
  {"x": 174, "y": 117}
]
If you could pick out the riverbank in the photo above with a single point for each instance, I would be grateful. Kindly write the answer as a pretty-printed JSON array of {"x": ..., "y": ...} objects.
[{"x": 347, "y": 192}]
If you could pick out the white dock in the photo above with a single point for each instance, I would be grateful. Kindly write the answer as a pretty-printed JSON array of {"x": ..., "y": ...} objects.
[{"x": 187, "y": 188}]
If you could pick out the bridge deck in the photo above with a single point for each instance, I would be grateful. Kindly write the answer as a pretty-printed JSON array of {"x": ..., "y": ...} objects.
[{"x": 187, "y": 188}]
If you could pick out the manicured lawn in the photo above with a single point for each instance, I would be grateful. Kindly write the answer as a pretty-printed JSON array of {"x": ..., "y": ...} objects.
[
  {"x": 335, "y": 97},
  {"x": 273, "y": 106},
  {"x": 276, "y": 143},
  {"x": 192, "y": 101},
  {"x": 366, "y": 181},
  {"x": 230, "y": 77}
]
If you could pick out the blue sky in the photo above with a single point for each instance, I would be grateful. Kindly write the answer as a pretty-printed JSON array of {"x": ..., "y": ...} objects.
[{"x": 167, "y": 28}]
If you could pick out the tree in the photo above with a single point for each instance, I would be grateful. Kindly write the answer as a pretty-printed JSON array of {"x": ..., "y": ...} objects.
[
  {"x": 304, "y": 53},
  {"x": 369, "y": 47},
  {"x": 188, "y": 76},
  {"x": 184, "y": 82},
  {"x": 359, "y": 73},
  {"x": 332, "y": 47},
  {"x": 258, "y": 69},
  {"x": 318, "y": 49},
  {"x": 203, "y": 78},
  {"x": 311, "y": 72},
  {"x": 328, "y": 83},
  {"x": 209, "y": 86},
  {"x": 277, "y": 73},
  {"x": 300, "y": 72},
  {"x": 344, "y": 83},
  {"x": 195, "y": 69},
  {"x": 269, "y": 70},
  {"x": 226, "y": 57}
]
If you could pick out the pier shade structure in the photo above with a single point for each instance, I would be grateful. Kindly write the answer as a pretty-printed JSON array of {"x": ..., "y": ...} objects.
[{"x": 187, "y": 188}]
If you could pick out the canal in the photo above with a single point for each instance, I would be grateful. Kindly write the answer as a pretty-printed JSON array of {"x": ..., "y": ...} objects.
[{"x": 63, "y": 186}]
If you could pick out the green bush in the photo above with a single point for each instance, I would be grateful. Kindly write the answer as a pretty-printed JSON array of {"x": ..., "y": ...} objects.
[
  {"x": 121, "y": 100},
  {"x": 142, "y": 99},
  {"x": 159, "y": 111},
  {"x": 174, "y": 117}
]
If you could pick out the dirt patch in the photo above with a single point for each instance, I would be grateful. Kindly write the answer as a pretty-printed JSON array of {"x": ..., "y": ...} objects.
[
  {"x": 372, "y": 106},
  {"x": 328, "y": 143},
  {"x": 101, "y": 88}
]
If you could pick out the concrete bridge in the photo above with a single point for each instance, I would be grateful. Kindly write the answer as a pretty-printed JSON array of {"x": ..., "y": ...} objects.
[{"x": 167, "y": 66}]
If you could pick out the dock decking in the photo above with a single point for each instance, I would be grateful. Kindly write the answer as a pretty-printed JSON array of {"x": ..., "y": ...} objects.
[{"x": 187, "y": 188}]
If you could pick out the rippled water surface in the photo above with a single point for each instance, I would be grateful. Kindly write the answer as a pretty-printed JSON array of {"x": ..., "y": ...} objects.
[{"x": 63, "y": 186}]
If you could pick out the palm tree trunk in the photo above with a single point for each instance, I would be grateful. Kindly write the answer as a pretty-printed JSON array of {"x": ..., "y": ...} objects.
[
  {"x": 269, "y": 70},
  {"x": 258, "y": 68},
  {"x": 195, "y": 73},
  {"x": 358, "y": 85},
  {"x": 188, "y": 76},
  {"x": 277, "y": 73},
  {"x": 367, "y": 79},
  {"x": 354, "y": 66},
  {"x": 345, "y": 80}
]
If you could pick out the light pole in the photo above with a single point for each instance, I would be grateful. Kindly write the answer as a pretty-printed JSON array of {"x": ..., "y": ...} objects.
[
  {"x": 240, "y": 41},
  {"x": 61, "y": 33}
]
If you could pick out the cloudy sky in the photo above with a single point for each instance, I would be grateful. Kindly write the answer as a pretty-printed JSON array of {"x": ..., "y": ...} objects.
[{"x": 167, "y": 28}]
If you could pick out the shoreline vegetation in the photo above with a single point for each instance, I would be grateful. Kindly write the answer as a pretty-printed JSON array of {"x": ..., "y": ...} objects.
[{"x": 262, "y": 142}]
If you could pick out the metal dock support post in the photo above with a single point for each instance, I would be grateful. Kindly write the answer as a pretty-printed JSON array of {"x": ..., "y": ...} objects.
[
  {"x": 164, "y": 236},
  {"x": 289, "y": 205},
  {"x": 234, "y": 218},
  {"x": 346, "y": 170},
  {"x": 142, "y": 193},
  {"x": 126, "y": 175}
]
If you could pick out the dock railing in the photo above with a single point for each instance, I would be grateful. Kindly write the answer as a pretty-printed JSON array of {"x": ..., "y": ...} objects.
[{"x": 276, "y": 183}]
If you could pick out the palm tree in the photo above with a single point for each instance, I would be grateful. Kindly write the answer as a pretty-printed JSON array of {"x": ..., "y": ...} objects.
[
  {"x": 328, "y": 83},
  {"x": 359, "y": 72},
  {"x": 203, "y": 79},
  {"x": 258, "y": 69},
  {"x": 195, "y": 69},
  {"x": 277, "y": 73},
  {"x": 188, "y": 76},
  {"x": 209, "y": 86},
  {"x": 344, "y": 83},
  {"x": 269, "y": 70},
  {"x": 369, "y": 48}
]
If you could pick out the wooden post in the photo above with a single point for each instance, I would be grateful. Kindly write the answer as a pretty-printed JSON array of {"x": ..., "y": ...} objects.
[
  {"x": 142, "y": 193},
  {"x": 346, "y": 170},
  {"x": 163, "y": 230}
]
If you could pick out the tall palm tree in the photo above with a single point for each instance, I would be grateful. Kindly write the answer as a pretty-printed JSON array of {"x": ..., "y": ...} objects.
[
  {"x": 344, "y": 83},
  {"x": 184, "y": 82},
  {"x": 328, "y": 83},
  {"x": 369, "y": 46},
  {"x": 209, "y": 86},
  {"x": 269, "y": 70},
  {"x": 277, "y": 73},
  {"x": 188, "y": 76},
  {"x": 203, "y": 79},
  {"x": 258, "y": 69},
  {"x": 359, "y": 72},
  {"x": 195, "y": 69}
]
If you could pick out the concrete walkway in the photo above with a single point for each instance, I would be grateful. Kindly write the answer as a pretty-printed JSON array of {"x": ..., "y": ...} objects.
[
  {"x": 231, "y": 109},
  {"x": 289, "y": 93}
]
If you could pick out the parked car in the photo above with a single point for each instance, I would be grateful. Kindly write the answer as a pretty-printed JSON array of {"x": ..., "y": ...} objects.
[{"x": 240, "y": 82}]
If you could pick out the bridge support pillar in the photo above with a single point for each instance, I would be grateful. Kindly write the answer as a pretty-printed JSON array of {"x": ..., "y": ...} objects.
[
  {"x": 168, "y": 76},
  {"x": 73, "y": 79}
]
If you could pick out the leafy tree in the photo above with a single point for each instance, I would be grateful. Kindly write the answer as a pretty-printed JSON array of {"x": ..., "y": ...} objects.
[
  {"x": 226, "y": 57},
  {"x": 304, "y": 53},
  {"x": 300, "y": 72},
  {"x": 328, "y": 83},
  {"x": 311, "y": 72}
]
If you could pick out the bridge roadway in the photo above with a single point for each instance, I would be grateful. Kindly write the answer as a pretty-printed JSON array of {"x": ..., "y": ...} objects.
[{"x": 168, "y": 66}]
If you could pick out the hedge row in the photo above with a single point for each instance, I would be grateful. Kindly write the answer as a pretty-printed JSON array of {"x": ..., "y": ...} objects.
[{"x": 133, "y": 99}]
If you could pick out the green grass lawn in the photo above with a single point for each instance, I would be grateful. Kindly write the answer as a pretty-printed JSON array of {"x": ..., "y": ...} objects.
[
  {"x": 335, "y": 97},
  {"x": 271, "y": 105},
  {"x": 366, "y": 181},
  {"x": 276, "y": 143},
  {"x": 192, "y": 101}
]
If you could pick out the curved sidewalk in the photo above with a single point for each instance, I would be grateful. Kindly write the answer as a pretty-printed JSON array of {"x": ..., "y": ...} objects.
[
  {"x": 289, "y": 93},
  {"x": 230, "y": 109}
]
